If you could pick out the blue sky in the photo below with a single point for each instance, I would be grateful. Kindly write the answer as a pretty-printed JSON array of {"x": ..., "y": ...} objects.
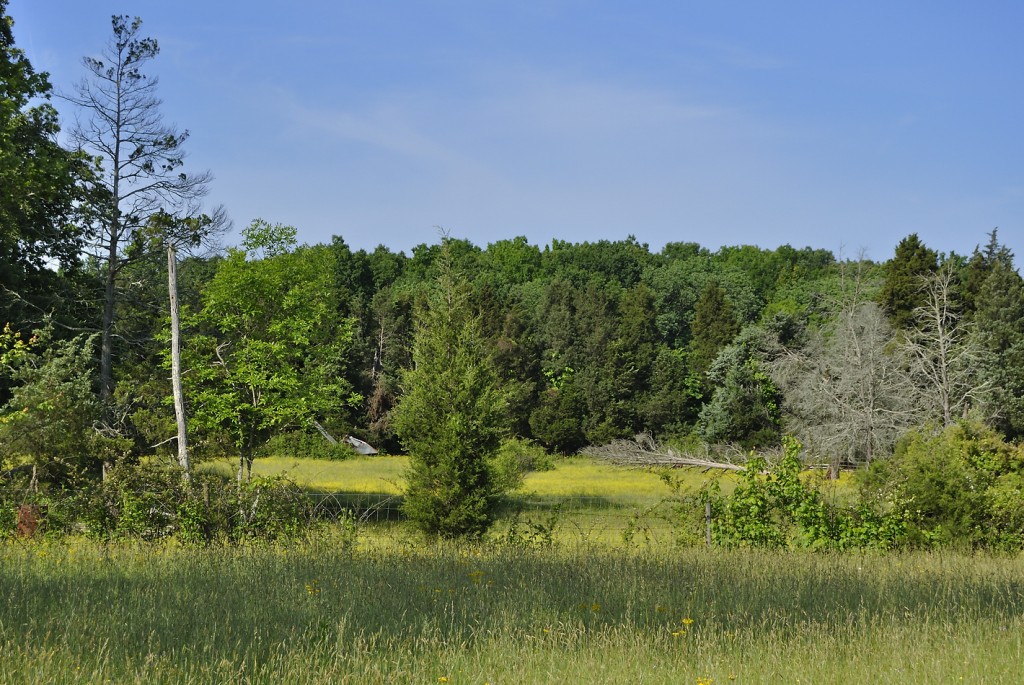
[{"x": 844, "y": 126}]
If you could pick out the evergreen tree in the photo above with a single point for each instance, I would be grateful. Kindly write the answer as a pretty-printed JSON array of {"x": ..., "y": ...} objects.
[
  {"x": 999, "y": 319},
  {"x": 714, "y": 326},
  {"x": 745, "y": 405},
  {"x": 451, "y": 417},
  {"x": 903, "y": 289}
]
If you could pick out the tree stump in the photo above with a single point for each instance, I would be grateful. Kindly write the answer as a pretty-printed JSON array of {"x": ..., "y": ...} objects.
[{"x": 30, "y": 520}]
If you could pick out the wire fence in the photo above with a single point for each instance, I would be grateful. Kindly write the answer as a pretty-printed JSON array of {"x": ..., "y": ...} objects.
[
  {"x": 382, "y": 507},
  {"x": 586, "y": 514}
]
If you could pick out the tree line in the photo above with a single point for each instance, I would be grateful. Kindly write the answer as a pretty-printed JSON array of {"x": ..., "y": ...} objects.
[{"x": 567, "y": 345}]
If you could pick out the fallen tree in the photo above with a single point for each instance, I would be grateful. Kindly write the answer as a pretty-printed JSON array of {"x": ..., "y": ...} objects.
[{"x": 644, "y": 450}]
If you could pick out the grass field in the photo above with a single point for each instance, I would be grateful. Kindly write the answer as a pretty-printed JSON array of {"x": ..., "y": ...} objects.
[
  {"x": 571, "y": 477},
  {"x": 413, "y": 612}
]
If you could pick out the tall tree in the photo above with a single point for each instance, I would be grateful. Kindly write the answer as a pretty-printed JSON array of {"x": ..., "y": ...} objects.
[
  {"x": 266, "y": 352},
  {"x": 903, "y": 291},
  {"x": 999, "y": 320},
  {"x": 745, "y": 403},
  {"x": 451, "y": 416},
  {"x": 714, "y": 326},
  {"x": 121, "y": 125},
  {"x": 40, "y": 190},
  {"x": 848, "y": 397}
]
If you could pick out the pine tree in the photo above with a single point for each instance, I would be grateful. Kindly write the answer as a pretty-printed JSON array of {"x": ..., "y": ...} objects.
[
  {"x": 1000, "y": 325},
  {"x": 903, "y": 289},
  {"x": 452, "y": 416},
  {"x": 714, "y": 326}
]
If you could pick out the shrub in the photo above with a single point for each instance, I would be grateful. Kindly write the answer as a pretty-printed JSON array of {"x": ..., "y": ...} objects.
[
  {"x": 775, "y": 507},
  {"x": 514, "y": 459},
  {"x": 147, "y": 502},
  {"x": 965, "y": 486}
]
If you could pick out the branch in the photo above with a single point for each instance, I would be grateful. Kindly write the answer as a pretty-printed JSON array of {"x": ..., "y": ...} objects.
[{"x": 643, "y": 450}]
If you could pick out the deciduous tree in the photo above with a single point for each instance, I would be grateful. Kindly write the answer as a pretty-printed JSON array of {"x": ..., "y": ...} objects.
[
  {"x": 40, "y": 189},
  {"x": 267, "y": 352}
]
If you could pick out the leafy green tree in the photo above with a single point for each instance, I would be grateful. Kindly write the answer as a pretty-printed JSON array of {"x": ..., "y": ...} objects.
[
  {"x": 452, "y": 415},
  {"x": 965, "y": 485},
  {"x": 40, "y": 191},
  {"x": 51, "y": 418},
  {"x": 902, "y": 291},
  {"x": 621, "y": 262},
  {"x": 267, "y": 352}
]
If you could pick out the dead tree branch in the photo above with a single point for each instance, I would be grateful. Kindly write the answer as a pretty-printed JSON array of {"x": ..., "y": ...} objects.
[{"x": 644, "y": 450}]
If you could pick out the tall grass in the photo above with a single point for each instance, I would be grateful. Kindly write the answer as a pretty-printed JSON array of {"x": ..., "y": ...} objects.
[{"x": 324, "y": 611}]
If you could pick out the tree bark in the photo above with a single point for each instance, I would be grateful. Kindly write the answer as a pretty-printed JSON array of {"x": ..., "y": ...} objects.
[{"x": 179, "y": 398}]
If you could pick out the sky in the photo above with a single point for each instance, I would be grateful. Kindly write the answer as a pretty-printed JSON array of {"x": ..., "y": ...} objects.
[{"x": 845, "y": 126}]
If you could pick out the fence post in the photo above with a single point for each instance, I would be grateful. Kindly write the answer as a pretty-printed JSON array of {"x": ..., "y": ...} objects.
[{"x": 707, "y": 523}]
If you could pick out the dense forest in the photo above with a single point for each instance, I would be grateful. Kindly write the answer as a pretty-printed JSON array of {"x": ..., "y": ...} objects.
[{"x": 585, "y": 343}]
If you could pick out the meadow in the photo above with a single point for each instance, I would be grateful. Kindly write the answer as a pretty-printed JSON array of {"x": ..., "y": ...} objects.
[
  {"x": 543, "y": 599},
  {"x": 405, "y": 611}
]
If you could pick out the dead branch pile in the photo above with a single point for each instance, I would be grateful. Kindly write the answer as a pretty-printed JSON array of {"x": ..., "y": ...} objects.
[{"x": 644, "y": 450}]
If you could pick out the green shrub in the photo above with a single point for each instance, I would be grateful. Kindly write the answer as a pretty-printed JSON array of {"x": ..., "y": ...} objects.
[
  {"x": 514, "y": 459},
  {"x": 268, "y": 509},
  {"x": 775, "y": 507},
  {"x": 148, "y": 502},
  {"x": 965, "y": 486}
]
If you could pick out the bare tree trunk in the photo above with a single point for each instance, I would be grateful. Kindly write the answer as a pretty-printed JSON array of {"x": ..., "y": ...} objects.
[
  {"x": 107, "y": 336},
  {"x": 179, "y": 398}
]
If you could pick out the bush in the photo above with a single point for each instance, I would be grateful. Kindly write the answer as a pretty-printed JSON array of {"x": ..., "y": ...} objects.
[
  {"x": 774, "y": 507},
  {"x": 965, "y": 486},
  {"x": 514, "y": 459},
  {"x": 146, "y": 502}
]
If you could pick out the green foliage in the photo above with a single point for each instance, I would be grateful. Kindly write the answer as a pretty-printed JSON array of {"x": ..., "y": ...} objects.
[
  {"x": 714, "y": 326},
  {"x": 150, "y": 502},
  {"x": 51, "y": 417},
  {"x": 745, "y": 403},
  {"x": 775, "y": 507},
  {"x": 902, "y": 289},
  {"x": 305, "y": 444},
  {"x": 514, "y": 459},
  {"x": 42, "y": 191},
  {"x": 999, "y": 321},
  {"x": 267, "y": 353},
  {"x": 451, "y": 417},
  {"x": 556, "y": 420},
  {"x": 965, "y": 486},
  {"x": 536, "y": 533}
]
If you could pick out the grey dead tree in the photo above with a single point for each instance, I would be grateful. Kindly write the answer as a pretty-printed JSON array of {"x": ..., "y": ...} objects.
[
  {"x": 848, "y": 394},
  {"x": 945, "y": 358}
]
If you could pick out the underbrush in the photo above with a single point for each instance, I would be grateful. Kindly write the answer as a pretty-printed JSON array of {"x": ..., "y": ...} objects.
[{"x": 147, "y": 502}]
